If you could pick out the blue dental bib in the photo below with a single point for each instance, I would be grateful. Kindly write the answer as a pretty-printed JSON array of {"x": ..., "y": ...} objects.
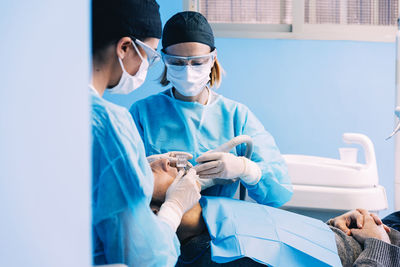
[{"x": 267, "y": 235}]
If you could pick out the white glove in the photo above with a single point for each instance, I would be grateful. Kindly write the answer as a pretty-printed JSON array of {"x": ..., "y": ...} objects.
[
  {"x": 169, "y": 155},
  {"x": 227, "y": 166},
  {"x": 181, "y": 196},
  {"x": 206, "y": 183}
]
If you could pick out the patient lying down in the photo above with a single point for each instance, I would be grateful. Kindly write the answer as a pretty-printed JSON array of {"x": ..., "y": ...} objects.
[{"x": 371, "y": 245}]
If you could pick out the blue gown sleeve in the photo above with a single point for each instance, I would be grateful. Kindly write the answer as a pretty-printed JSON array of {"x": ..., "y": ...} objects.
[
  {"x": 274, "y": 188},
  {"x": 129, "y": 231},
  {"x": 125, "y": 230},
  {"x": 136, "y": 118}
]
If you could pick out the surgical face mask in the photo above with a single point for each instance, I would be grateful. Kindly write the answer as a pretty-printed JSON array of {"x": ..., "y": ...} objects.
[
  {"x": 189, "y": 80},
  {"x": 128, "y": 83}
]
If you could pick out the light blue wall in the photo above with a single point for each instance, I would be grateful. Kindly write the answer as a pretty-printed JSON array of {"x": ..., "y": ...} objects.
[
  {"x": 307, "y": 93},
  {"x": 44, "y": 134}
]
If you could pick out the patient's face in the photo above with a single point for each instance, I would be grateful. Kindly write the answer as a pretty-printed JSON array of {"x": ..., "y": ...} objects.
[{"x": 164, "y": 175}]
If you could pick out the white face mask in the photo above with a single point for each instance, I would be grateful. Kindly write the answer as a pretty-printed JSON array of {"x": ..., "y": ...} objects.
[
  {"x": 128, "y": 83},
  {"x": 189, "y": 80}
]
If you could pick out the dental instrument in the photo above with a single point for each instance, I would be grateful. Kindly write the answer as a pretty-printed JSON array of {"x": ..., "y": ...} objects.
[
  {"x": 182, "y": 161},
  {"x": 234, "y": 142},
  {"x": 173, "y": 157}
]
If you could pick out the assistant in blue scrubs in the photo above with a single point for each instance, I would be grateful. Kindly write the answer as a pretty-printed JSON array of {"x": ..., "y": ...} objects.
[
  {"x": 191, "y": 117},
  {"x": 125, "y": 230}
]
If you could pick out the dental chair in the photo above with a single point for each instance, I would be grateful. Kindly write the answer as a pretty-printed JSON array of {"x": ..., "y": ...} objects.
[{"x": 324, "y": 187}]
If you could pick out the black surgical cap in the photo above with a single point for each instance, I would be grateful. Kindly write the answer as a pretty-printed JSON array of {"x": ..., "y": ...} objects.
[
  {"x": 185, "y": 27},
  {"x": 114, "y": 19}
]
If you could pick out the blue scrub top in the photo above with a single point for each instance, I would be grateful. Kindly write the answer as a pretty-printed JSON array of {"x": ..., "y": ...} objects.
[
  {"x": 125, "y": 230},
  {"x": 168, "y": 124}
]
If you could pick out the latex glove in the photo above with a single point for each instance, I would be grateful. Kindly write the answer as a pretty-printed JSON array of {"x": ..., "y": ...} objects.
[
  {"x": 181, "y": 196},
  {"x": 206, "y": 183},
  {"x": 370, "y": 230},
  {"x": 171, "y": 156},
  {"x": 227, "y": 166},
  {"x": 354, "y": 219}
]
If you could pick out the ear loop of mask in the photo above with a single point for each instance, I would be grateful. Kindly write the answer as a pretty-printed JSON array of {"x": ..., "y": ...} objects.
[{"x": 137, "y": 51}]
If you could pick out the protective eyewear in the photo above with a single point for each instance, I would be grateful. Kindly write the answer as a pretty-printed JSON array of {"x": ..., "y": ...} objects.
[
  {"x": 152, "y": 55},
  {"x": 193, "y": 61}
]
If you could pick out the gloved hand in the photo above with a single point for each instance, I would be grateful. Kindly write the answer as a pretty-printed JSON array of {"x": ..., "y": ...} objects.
[
  {"x": 171, "y": 156},
  {"x": 181, "y": 196},
  {"x": 206, "y": 183},
  {"x": 227, "y": 166}
]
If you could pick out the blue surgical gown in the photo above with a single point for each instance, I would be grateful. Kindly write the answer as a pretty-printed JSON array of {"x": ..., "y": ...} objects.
[
  {"x": 125, "y": 230},
  {"x": 168, "y": 124}
]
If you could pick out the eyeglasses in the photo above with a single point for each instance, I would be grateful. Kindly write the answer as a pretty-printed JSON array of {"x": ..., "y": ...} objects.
[
  {"x": 193, "y": 61},
  {"x": 152, "y": 55}
]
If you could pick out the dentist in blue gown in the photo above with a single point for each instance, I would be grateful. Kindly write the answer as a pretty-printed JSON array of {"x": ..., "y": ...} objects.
[
  {"x": 189, "y": 116},
  {"x": 125, "y": 230}
]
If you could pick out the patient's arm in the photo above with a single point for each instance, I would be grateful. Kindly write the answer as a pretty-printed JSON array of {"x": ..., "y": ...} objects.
[
  {"x": 379, "y": 253},
  {"x": 192, "y": 223}
]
